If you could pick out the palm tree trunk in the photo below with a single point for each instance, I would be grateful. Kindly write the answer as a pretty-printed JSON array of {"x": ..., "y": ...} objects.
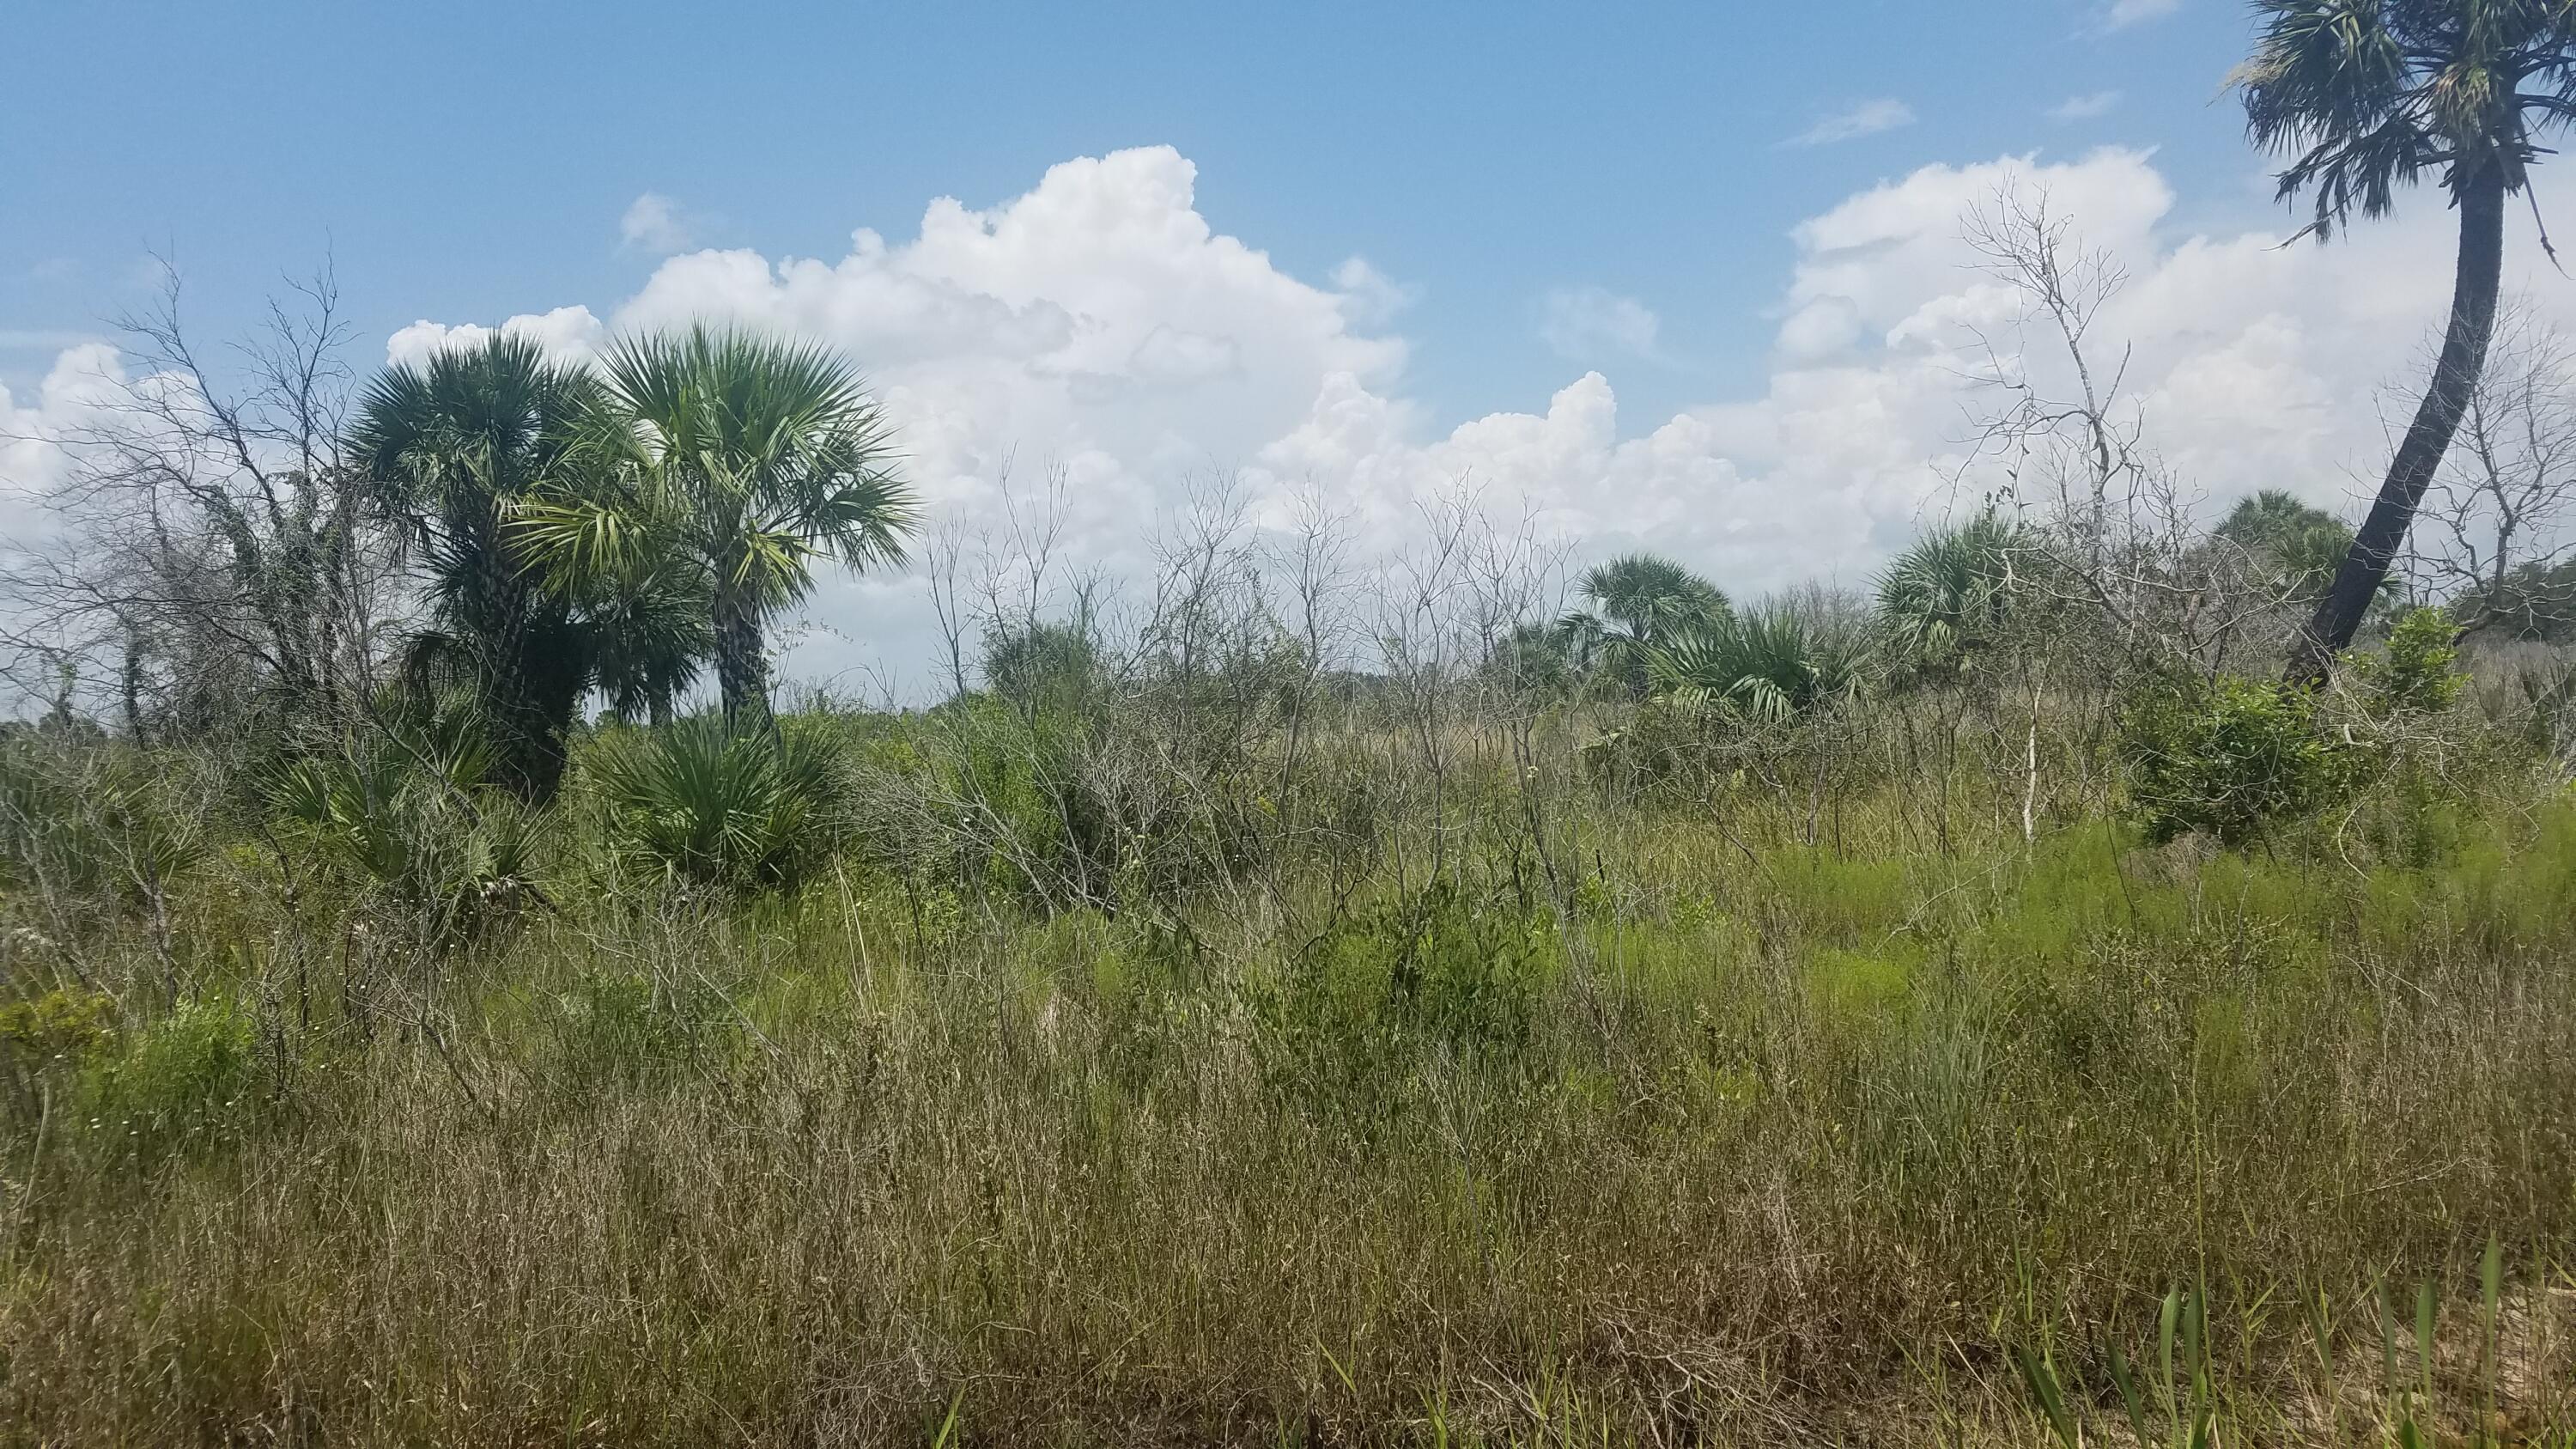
[
  {"x": 2446, "y": 399},
  {"x": 742, "y": 670}
]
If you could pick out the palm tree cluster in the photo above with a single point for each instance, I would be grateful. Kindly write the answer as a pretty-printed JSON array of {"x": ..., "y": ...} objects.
[{"x": 612, "y": 530}]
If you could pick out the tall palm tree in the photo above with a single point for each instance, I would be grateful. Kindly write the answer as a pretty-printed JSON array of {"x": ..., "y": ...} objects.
[
  {"x": 1638, "y": 602},
  {"x": 749, "y": 457},
  {"x": 449, "y": 448},
  {"x": 2364, "y": 95}
]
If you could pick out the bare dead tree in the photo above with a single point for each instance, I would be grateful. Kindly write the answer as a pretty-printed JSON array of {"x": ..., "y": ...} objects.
[
  {"x": 2120, "y": 537},
  {"x": 2494, "y": 525},
  {"x": 2085, "y": 442},
  {"x": 211, "y": 539}
]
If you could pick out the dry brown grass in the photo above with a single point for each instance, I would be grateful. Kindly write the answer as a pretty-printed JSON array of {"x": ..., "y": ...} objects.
[{"x": 1758, "y": 1145}]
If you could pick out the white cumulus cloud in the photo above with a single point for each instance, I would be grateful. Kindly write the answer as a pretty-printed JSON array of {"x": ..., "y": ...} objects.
[
  {"x": 653, "y": 223},
  {"x": 1101, "y": 323}
]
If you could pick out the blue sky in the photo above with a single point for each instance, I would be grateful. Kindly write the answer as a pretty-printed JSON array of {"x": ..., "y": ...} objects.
[
  {"x": 473, "y": 160},
  {"x": 1686, "y": 278}
]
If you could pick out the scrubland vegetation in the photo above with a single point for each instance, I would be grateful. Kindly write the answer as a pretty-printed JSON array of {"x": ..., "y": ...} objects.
[
  {"x": 2105, "y": 982},
  {"x": 1171, "y": 1039}
]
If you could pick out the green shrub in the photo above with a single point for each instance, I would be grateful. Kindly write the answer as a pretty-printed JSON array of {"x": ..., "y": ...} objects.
[
  {"x": 63, "y": 1030},
  {"x": 405, "y": 819},
  {"x": 1770, "y": 665},
  {"x": 701, "y": 805},
  {"x": 2418, "y": 674},
  {"x": 186, "y": 1077},
  {"x": 1952, "y": 594},
  {"x": 2228, "y": 757},
  {"x": 1352, "y": 1019}
]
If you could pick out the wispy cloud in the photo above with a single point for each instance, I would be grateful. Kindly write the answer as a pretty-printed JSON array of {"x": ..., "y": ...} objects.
[
  {"x": 653, "y": 223},
  {"x": 13, "y": 339},
  {"x": 1866, "y": 119},
  {"x": 1584, "y": 324},
  {"x": 2085, "y": 108},
  {"x": 2125, "y": 13}
]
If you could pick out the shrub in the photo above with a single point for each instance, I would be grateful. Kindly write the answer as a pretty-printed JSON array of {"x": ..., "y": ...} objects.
[
  {"x": 186, "y": 1077},
  {"x": 1769, "y": 665},
  {"x": 1953, "y": 592},
  {"x": 405, "y": 818},
  {"x": 702, "y": 805},
  {"x": 1351, "y": 1020},
  {"x": 64, "y": 1029},
  {"x": 2229, "y": 757},
  {"x": 2417, "y": 674}
]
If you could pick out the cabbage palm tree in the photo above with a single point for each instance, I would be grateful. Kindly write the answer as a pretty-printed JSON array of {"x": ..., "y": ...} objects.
[
  {"x": 748, "y": 457},
  {"x": 1769, "y": 665},
  {"x": 2364, "y": 96},
  {"x": 449, "y": 447},
  {"x": 2304, "y": 546},
  {"x": 1953, "y": 590},
  {"x": 1638, "y": 602}
]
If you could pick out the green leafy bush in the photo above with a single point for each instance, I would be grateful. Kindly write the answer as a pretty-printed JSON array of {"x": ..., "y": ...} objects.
[
  {"x": 406, "y": 819},
  {"x": 2418, "y": 675},
  {"x": 1767, "y": 665},
  {"x": 1351, "y": 1020},
  {"x": 65, "y": 1029},
  {"x": 186, "y": 1077},
  {"x": 2228, "y": 757}
]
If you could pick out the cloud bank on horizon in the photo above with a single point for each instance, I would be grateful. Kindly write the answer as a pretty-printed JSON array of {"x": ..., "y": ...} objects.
[{"x": 1100, "y": 324}]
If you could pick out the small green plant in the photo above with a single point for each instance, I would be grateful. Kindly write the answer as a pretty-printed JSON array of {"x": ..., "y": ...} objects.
[
  {"x": 65, "y": 1029},
  {"x": 2418, "y": 674},
  {"x": 2229, "y": 757},
  {"x": 184, "y": 1078}
]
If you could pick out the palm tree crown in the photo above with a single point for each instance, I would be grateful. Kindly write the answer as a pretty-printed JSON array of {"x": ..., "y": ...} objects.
[
  {"x": 1638, "y": 601},
  {"x": 751, "y": 456},
  {"x": 2366, "y": 95},
  {"x": 449, "y": 447}
]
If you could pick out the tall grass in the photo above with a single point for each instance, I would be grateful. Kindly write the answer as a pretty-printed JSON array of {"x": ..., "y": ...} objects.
[{"x": 1651, "y": 1123}]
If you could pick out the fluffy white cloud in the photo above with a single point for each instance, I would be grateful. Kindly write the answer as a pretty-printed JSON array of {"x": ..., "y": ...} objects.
[
  {"x": 1869, "y": 118},
  {"x": 80, "y": 392},
  {"x": 653, "y": 222},
  {"x": 568, "y": 331},
  {"x": 1100, "y": 324}
]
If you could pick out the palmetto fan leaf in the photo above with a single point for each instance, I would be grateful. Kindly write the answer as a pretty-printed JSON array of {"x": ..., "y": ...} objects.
[
  {"x": 1770, "y": 665},
  {"x": 1954, "y": 590},
  {"x": 1637, "y": 601}
]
